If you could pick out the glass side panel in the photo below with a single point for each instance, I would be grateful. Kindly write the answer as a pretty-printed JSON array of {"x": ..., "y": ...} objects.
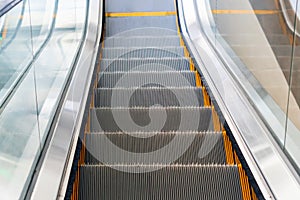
[
  {"x": 19, "y": 139},
  {"x": 42, "y": 21},
  {"x": 19, "y": 133},
  {"x": 15, "y": 48},
  {"x": 39, "y": 45},
  {"x": 52, "y": 73},
  {"x": 292, "y": 140},
  {"x": 258, "y": 37}
]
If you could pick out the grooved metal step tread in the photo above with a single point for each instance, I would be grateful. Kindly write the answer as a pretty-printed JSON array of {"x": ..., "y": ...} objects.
[
  {"x": 144, "y": 64},
  {"x": 146, "y": 97},
  {"x": 143, "y": 52},
  {"x": 129, "y": 25},
  {"x": 156, "y": 147},
  {"x": 167, "y": 183},
  {"x": 146, "y": 31},
  {"x": 151, "y": 119},
  {"x": 147, "y": 79},
  {"x": 142, "y": 41}
]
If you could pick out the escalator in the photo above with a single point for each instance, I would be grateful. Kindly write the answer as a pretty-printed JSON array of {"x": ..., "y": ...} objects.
[{"x": 154, "y": 130}]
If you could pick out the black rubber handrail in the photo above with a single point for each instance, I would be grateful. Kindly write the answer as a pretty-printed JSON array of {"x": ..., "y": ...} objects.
[{"x": 9, "y": 6}]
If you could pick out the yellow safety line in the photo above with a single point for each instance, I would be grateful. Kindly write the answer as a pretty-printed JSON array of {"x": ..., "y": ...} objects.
[
  {"x": 244, "y": 183},
  {"x": 4, "y": 32},
  {"x": 75, "y": 189},
  {"x": 198, "y": 80},
  {"x": 192, "y": 66},
  {"x": 186, "y": 52},
  {"x": 244, "y": 179},
  {"x": 87, "y": 127},
  {"x": 254, "y": 197},
  {"x": 228, "y": 149},
  {"x": 236, "y": 158},
  {"x": 180, "y": 40},
  {"x": 206, "y": 97},
  {"x": 140, "y": 14},
  {"x": 216, "y": 120},
  {"x": 257, "y": 12}
]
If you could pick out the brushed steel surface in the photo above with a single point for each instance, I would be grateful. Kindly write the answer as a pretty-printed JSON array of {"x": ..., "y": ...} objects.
[{"x": 54, "y": 174}]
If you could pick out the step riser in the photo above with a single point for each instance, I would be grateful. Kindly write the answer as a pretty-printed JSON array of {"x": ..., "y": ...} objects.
[
  {"x": 168, "y": 183},
  {"x": 120, "y": 26},
  {"x": 140, "y": 97},
  {"x": 150, "y": 79},
  {"x": 200, "y": 148},
  {"x": 151, "y": 120},
  {"x": 116, "y": 53},
  {"x": 147, "y": 31},
  {"x": 142, "y": 42},
  {"x": 120, "y": 65}
]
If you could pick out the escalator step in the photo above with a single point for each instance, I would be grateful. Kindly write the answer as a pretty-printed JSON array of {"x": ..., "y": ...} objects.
[
  {"x": 158, "y": 148},
  {"x": 152, "y": 119},
  {"x": 142, "y": 41},
  {"x": 142, "y": 52},
  {"x": 145, "y": 97},
  {"x": 147, "y": 79},
  {"x": 144, "y": 64},
  {"x": 168, "y": 183},
  {"x": 146, "y": 31},
  {"x": 128, "y": 25}
]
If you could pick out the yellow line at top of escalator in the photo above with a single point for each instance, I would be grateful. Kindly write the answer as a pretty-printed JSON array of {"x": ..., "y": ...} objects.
[
  {"x": 257, "y": 12},
  {"x": 4, "y": 32},
  {"x": 140, "y": 14}
]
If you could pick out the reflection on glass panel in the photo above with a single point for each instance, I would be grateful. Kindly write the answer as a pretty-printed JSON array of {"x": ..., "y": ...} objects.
[
  {"x": 258, "y": 37},
  {"x": 15, "y": 47},
  {"x": 8, "y": 24},
  {"x": 42, "y": 21},
  {"x": 19, "y": 140},
  {"x": 261, "y": 42},
  {"x": 292, "y": 143},
  {"x": 39, "y": 45},
  {"x": 52, "y": 73}
]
